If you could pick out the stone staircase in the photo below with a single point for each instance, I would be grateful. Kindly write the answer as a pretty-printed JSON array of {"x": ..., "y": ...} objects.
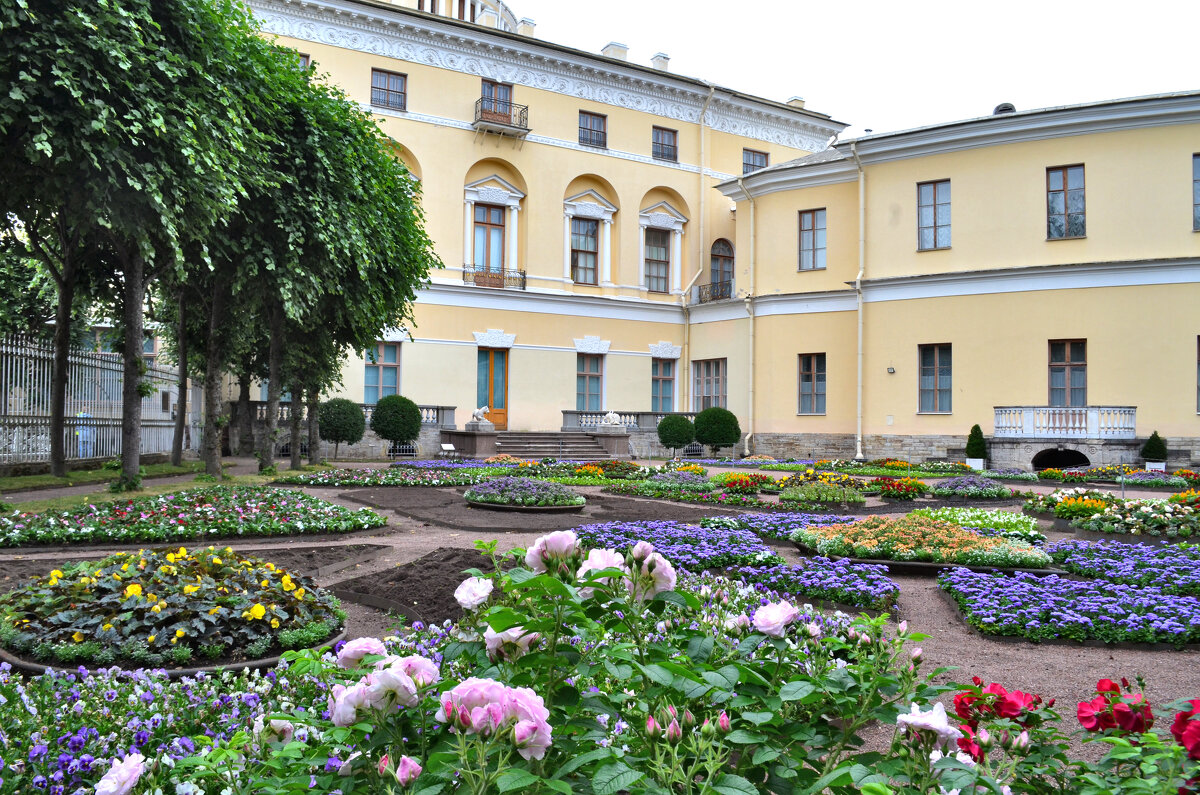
[{"x": 535, "y": 445}]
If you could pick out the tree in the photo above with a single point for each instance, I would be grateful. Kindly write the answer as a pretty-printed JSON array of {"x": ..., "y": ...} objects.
[
  {"x": 342, "y": 421},
  {"x": 1155, "y": 449},
  {"x": 396, "y": 419},
  {"x": 676, "y": 432},
  {"x": 976, "y": 446},
  {"x": 717, "y": 427}
]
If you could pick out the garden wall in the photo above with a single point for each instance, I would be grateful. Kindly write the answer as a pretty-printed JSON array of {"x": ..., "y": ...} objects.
[{"x": 369, "y": 448}]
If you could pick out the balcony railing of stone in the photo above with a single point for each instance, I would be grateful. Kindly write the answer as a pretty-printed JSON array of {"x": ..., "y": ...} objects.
[
  {"x": 574, "y": 420},
  {"x": 717, "y": 291},
  {"x": 1080, "y": 422},
  {"x": 481, "y": 277},
  {"x": 433, "y": 416}
]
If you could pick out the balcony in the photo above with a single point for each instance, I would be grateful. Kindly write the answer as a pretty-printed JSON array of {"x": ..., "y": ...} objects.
[
  {"x": 485, "y": 278},
  {"x": 1083, "y": 422},
  {"x": 717, "y": 291},
  {"x": 502, "y": 117}
]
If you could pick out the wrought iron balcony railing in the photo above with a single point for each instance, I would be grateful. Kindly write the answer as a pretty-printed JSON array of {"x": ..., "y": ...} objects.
[
  {"x": 482, "y": 277},
  {"x": 662, "y": 151},
  {"x": 502, "y": 116},
  {"x": 717, "y": 291}
]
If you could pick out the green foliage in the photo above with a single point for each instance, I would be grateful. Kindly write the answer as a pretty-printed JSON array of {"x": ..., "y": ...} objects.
[
  {"x": 342, "y": 420},
  {"x": 976, "y": 447},
  {"x": 717, "y": 427},
  {"x": 396, "y": 419},
  {"x": 819, "y": 494},
  {"x": 1155, "y": 449},
  {"x": 6, "y": 507},
  {"x": 676, "y": 431}
]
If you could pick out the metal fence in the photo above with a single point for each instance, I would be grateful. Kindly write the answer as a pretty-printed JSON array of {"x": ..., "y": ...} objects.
[{"x": 93, "y": 404}]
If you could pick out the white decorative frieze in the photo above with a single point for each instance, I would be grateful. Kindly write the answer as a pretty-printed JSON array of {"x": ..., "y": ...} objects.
[
  {"x": 493, "y": 190},
  {"x": 448, "y": 46},
  {"x": 662, "y": 216},
  {"x": 665, "y": 350},
  {"x": 592, "y": 344},
  {"x": 396, "y": 335},
  {"x": 494, "y": 338}
]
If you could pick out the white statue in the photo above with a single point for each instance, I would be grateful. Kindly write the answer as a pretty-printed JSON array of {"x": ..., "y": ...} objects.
[
  {"x": 611, "y": 418},
  {"x": 477, "y": 414}
]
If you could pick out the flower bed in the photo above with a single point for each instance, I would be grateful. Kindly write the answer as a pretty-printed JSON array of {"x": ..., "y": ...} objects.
[
  {"x": 773, "y": 525},
  {"x": 897, "y": 488},
  {"x": 916, "y": 538},
  {"x": 1009, "y": 474},
  {"x": 821, "y": 476},
  {"x": 858, "y": 585},
  {"x": 1046, "y": 503},
  {"x": 502, "y": 461},
  {"x": 972, "y": 487},
  {"x": 687, "y": 546},
  {"x": 1173, "y": 569},
  {"x": 742, "y": 482},
  {"x": 1077, "y": 507},
  {"x": 662, "y": 491},
  {"x": 1153, "y": 480},
  {"x": 1156, "y": 518},
  {"x": 1006, "y": 524},
  {"x": 815, "y": 495},
  {"x": 680, "y": 480},
  {"x": 1051, "y": 607},
  {"x": 525, "y": 492},
  {"x": 156, "y": 607},
  {"x": 209, "y": 513},
  {"x": 396, "y": 476},
  {"x": 1190, "y": 498}
]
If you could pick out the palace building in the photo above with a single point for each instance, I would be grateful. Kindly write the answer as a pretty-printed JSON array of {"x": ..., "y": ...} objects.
[{"x": 619, "y": 237}]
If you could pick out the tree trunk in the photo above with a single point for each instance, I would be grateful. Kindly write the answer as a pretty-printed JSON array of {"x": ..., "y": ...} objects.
[
  {"x": 266, "y": 449},
  {"x": 58, "y": 375},
  {"x": 245, "y": 445},
  {"x": 314, "y": 426},
  {"x": 181, "y": 403},
  {"x": 133, "y": 294},
  {"x": 296, "y": 409},
  {"x": 212, "y": 383}
]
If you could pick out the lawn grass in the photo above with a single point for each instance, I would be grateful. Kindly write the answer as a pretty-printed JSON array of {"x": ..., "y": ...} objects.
[
  {"x": 95, "y": 498},
  {"x": 82, "y": 477}
]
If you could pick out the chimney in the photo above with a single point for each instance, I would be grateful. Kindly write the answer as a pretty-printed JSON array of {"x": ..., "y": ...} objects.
[
  {"x": 660, "y": 61},
  {"x": 796, "y": 102},
  {"x": 616, "y": 50},
  {"x": 525, "y": 27}
]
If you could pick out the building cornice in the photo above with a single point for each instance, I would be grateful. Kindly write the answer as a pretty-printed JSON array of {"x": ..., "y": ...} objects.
[
  {"x": 399, "y": 33},
  {"x": 785, "y": 178},
  {"x": 550, "y": 303}
]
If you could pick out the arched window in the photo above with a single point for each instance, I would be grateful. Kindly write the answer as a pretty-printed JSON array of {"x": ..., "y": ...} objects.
[{"x": 721, "y": 263}]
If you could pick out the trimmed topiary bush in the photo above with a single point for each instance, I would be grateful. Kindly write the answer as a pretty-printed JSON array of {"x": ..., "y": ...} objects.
[
  {"x": 342, "y": 421},
  {"x": 717, "y": 428},
  {"x": 396, "y": 419},
  {"x": 1155, "y": 449},
  {"x": 676, "y": 432},
  {"x": 976, "y": 446}
]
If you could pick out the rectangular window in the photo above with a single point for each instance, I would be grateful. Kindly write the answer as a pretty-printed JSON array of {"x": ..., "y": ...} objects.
[
  {"x": 1196, "y": 193},
  {"x": 933, "y": 215},
  {"x": 1068, "y": 373},
  {"x": 589, "y": 372},
  {"x": 389, "y": 89},
  {"x": 658, "y": 260},
  {"x": 382, "y": 376},
  {"x": 753, "y": 160},
  {"x": 304, "y": 59},
  {"x": 812, "y": 383},
  {"x": 662, "y": 384},
  {"x": 935, "y": 379},
  {"x": 584, "y": 244},
  {"x": 708, "y": 384},
  {"x": 812, "y": 240},
  {"x": 497, "y": 101},
  {"x": 665, "y": 144},
  {"x": 1065, "y": 214},
  {"x": 593, "y": 129},
  {"x": 489, "y": 238}
]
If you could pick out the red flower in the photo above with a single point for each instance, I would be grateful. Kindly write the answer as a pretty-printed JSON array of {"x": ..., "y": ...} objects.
[
  {"x": 964, "y": 707},
  {"x": 1096, "y": 714},
  {"x": 1133, "y": 715},
  {"x": 967, "y": 743},
  {"x": 1107, "y": 686},
  {"x": 1186, "y": 729}
]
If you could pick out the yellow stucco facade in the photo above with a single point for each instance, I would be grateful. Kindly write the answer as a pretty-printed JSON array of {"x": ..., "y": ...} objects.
[{"x": 575, "y": 200}]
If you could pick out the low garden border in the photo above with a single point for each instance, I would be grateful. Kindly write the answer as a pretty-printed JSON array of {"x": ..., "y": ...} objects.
[
  {"x": 923, "y": 568},
  {"x": 495, "y": 506}
]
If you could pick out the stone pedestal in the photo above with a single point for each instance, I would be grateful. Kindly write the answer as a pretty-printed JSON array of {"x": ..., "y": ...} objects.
[
  {"x": 472, "y": 444},
  {"x": 613, "y": 438},
  {"x": 483, "y": 426}
]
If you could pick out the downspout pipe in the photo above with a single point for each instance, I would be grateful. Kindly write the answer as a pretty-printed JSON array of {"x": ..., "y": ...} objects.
[
  {"x": 750, "y": 311},
  {"x": 685, "y": 391},
  {"x": 862, "y": 264}
]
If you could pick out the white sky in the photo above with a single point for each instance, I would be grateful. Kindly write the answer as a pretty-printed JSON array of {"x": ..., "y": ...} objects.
[{"x": 895, "y": 65}]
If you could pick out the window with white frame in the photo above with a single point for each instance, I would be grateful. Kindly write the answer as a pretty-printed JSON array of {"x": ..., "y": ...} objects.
[
  {"x": 662, "y": 384},
  {"x": 708, "y": 383},
  {"x": 589, "y": 375},
  {"x": 661, "y": 248},
  {"x": 587, "y": 236},
  {"x": 382, "y": 374}
]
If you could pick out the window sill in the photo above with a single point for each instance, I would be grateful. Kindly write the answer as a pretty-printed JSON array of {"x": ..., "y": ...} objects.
[
  {"x": 809, "y": 270},
  {"x": 935, "y": 413},
  {"x": 810, "y": 414},
  {"x": 935, "y": 248},
  {"x": 593, "y": 146},
  {"x": 1068, "y": 237},
  {"x": 667, "y": 159},
  {"x": 390, "y": 107}
]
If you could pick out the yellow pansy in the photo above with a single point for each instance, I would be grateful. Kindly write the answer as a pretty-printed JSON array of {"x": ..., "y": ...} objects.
[
  {"x": 116, "y": 577},
  {"x": 258, "y": 611},
  {"x": 170, "y": 557},
  {"x": 270, "y": 566},
  {"x": 274, "y": 623},
  {"x": 77, "y": 637},
  {"x": 133, "y": 589},
  {"x": 106, "y": 627},
  {"x": 124, "y": 567},
  {"x": 264, "y": 583},
  {"x": 214, "y": 611},
  {"x": 216, "y": 561},
  {"x": 151, "y": 638},
  {"x": 299, "y": 594},
  {"x": 157, "y": 608},
  {"x": 52, "y": 581},
  {"x": 174, "y": 640},
  {"x": 190, "y": 588},
  {"x": 288, "y": 585},
  {"x": 179, "y": 633},
  {"x": 56, "y": 573}
]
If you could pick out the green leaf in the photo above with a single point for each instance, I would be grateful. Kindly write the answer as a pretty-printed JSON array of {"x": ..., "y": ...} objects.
[
  {"x": 758, "y": 718},
  {"x": 729, "y": 784},
  {"x": 657, "y": 674},
  {"x": 516, "y": 778},
  {"x": 576, "y": 762},
  {"x": 431, "y": 789},
  {"x": 700, "y": 648},
  {"x": 765, "y": 753},
  {"x": 745, "y": 737},
  {"x": 797, "y": 691},
  {"x": 613, "y": 778}
]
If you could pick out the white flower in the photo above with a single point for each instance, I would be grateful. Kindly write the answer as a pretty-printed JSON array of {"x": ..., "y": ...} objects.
[
  {"x": 934, "y": 721},
  {"x": 122, "y": 776},
  {"x": 473, "y": 591}
]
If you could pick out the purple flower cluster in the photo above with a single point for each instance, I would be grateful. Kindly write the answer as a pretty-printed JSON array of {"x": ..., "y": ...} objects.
[
  {"x": 859, "y": 585},
  {"x": 971, "y": 486},
  {"x": 689, "y": 481},
  {"x": 781, "y": 525},
  {"x": 1173, "y": 569},
  {"x": 1009, "y": 473},
  {"x": 686, "y": 546},
  {"x": 1042, "y": 608},
  {"x": 522, "y": 491},
  {"x": 1146, "y": 478}
]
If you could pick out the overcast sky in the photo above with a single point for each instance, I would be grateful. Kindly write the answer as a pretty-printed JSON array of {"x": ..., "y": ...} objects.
[{"x": 895, "y": 65}]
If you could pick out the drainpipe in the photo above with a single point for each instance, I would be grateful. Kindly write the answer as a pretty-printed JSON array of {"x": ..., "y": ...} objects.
[
  {"x": 862, "y": 263},
  {"x": 750, "y": 311},
  {"x": 684, "y": 380}
]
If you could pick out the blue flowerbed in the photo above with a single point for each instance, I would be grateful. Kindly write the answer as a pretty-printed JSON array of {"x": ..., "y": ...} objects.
[
  {"x": 1174, "y": 568},
  {"x": 857, "y": 584},
  {"x": 686, "y": 546},
  {"x": 776, "y": 525}
]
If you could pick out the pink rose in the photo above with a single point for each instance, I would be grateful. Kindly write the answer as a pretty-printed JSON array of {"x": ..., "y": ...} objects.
[
  {"x": 468, "y": 694},
  {"x": 121, "y": 778},
  {"x": 473, "y": 591},
  {"x": 772, "y": 619},
  {"x": 353, "y": 651},
  {"x": 654, "y": 575},
  {"x": 641, "y": 550},
  {"x": 422, "y": 670},
  {"x": 597, "y": 560},
  {"x": 391, "y": 686},
  {"x": 511, "y": 644},
  {"x": 529, "y": 709},
  {"x": 558, "y": 545},
  {"x": 407, "y": 770},
  {"x": 346, "y": 703}
]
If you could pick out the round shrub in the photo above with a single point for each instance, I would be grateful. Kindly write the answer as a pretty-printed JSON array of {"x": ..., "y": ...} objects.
[
  {"x": 168, "y": 606},
  {"x": 676, "y": 431},
  {"x": 396, "y": 419},
  {"x": 717, "y": 428},
  {"x": 1155, "y": 449},
  {"x": 976, "y": 447},
  {"x": 342, "y": 421}
]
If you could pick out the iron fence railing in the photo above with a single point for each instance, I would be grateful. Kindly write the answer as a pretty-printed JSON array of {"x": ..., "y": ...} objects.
[
  {"x": 489, "y": 111},
  {"x": 482, "y": 277}
]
